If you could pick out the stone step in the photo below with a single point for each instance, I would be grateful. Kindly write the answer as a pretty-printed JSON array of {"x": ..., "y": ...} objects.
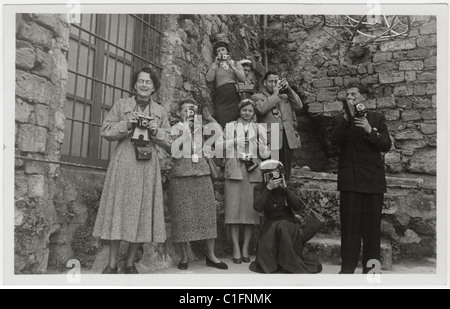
[{"x": 327, "y": 249}]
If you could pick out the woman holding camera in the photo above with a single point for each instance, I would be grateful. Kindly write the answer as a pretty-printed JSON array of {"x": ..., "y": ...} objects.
[
  {"x": 241, "y": 174},
  {"x": 225, "y": 73},
  {"x": 131, "y": 206},
  {"x": 281, "y": 240},
  {"x": 191, "y": 197}
]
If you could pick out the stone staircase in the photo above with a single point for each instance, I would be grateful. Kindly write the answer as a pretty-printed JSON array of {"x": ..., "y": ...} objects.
[
  {"x": 408, "y": 228},
  {"x": 327, "y": 249}
]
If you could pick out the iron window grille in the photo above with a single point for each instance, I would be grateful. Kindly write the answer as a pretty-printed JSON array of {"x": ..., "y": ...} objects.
[{"x": 104, "y": 52}]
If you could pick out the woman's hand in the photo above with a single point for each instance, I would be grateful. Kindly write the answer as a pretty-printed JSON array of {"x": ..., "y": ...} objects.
[
  {"x": 153, "y": 127},
  {"x": 275, "y": 183},
  {"x": 132, "y": 119}
]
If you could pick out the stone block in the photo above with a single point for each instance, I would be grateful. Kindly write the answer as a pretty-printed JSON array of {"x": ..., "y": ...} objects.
[
  {"x": 326, "y": 95},
  {"x": 422, "y": 103},
  {"x": 315, "y": 108},
  {"x": 25, "y": 58},
  {"x": 36, "y": 186},
  {"x": 370, "y": 104},
  {"x": 338, "y": 81},
  {"x": 44, "y": 64},
  {"x": 392, "y": 114},
  {"x": 407, "y": 135},
  {"x": 362, "y": 69},
  {"x": 386, "y": 102},
  {"x": 427, "y": 41},
  {"x": 428, "y": 128},
  {"x": 322, "y": 83},
  {"x": 420, "y": 89},
  {"x": 370, "y": 79},
  {"x": 418, "y": 53},
  {"x": 386, "y": 67},
  {"x": 411, "y": 144},
  {"x": 431, "y": 89},
  {"x": 332, "y": 107},
  {"x": 392, "y": 77},
  {"x": 351, "y": 80},
  {"x": 20, "y": 185},
  {"x": 410, "y": 237},
  {"x": 23, "y": 111},
  {"x": 434, "y": 101},
  {"x": 42, "y": 114},
  {"x": 429, "y": 114},
  {"x": 36, "y": 35},
  {"x": 423, "y": 162},
  {"x": 410, "y": 76},
  {"x": 32, "y": 138},
  {"x": 430, "y": 62},
  {"x": 398, "y": 45},
  {"x": 416, "y": 65},
  {"x": 36, "y": 89},
  {"x": 382, "y": 57},
  {"x": 35, "y": 167},
  {"x": 404, "y": 90},
  {"x": 428, "y": 28},
  {"x": 410, "y": 115},
  {"x": 426, "y": 76}
]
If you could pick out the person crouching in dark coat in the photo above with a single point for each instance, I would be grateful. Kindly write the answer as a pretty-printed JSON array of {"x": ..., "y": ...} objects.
[{"x": 281, "y": 240}]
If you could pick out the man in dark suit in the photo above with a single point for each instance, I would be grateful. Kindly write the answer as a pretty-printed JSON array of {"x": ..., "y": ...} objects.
[
  {"x": 277, "y": 103},
  {"x": 361, "y": 180}
]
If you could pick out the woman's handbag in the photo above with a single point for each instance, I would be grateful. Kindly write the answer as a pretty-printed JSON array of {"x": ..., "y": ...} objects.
[
  {"x": 314, "y": 222},
  {"x": 213, "y": 167}
]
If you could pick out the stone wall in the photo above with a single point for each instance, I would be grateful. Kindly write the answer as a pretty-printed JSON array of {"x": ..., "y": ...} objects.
[
  {"x": 401, "y": 74},
  {"x": 187, "y": 52},
  {"x": 42, "y": 42}
]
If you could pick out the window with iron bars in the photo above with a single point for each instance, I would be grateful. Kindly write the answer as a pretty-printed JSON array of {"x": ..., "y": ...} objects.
[{"x": 104, "y": 52}]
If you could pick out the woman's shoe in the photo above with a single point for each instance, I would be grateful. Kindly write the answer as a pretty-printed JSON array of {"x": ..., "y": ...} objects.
[
  {"x": 246, "y": 259},
  {"x": 131, "y": 270},
  {"x": 183, "y": 266},
  {"x": 237, "y": 260},
  {"x": 220, "y": 265},
  {"x": 109, "y": 270}
]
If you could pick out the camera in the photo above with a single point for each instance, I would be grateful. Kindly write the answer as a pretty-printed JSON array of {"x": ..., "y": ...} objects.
[
  {"x": 250, "y": 165},
  {"x": 360, "y": 110},
  {"x": 141, "y": 133},
  {"x": 143, "y": 121},
  {"x": 281, "y": 82},
  {"x": 223, "y": 57},
  {"x": 274, "y": 175}
]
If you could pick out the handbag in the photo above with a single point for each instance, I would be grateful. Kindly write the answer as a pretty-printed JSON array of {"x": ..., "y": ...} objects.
[
  {"x": 214, "y": 169},
  {"x": 312, "y": 224},
  {"x": 143, "y": 152}
]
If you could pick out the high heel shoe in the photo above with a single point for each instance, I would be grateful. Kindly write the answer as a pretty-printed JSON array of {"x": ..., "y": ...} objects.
[
  {"x": 109, "y": 270},
  {"x": 183, "y": 266},
  {"x": 246, "y": 259},
  {"x": 237, "y": 260},
  {"x": 220, "y": 265}
]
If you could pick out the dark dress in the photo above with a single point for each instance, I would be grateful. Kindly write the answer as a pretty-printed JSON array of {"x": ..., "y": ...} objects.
[{"x": 281, "y": 242}]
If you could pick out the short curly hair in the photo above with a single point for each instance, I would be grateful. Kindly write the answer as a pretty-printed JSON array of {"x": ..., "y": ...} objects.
[{"x": 153, "y": 77}]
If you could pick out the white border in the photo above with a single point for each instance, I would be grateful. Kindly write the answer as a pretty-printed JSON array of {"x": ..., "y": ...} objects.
[{"x": 226, "y": 7}]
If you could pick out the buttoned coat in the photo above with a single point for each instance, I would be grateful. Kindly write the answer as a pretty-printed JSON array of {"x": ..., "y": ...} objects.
[{"x": 361, "y": 166}]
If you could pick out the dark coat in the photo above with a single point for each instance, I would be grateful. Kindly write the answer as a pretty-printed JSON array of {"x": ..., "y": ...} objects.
[{"x": 361, "y": 167}]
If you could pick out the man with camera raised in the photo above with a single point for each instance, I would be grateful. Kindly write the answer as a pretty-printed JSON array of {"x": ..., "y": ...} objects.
[
  {"x": 276, "y": 104},
  {"x": 362, "y": 136}
]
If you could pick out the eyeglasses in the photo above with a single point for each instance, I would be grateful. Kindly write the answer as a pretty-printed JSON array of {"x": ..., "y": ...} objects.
[{"x": 144, "y": 82}]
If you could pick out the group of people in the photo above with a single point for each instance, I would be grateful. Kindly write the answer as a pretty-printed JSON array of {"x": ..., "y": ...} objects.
[{"x": 131, "y": 206}]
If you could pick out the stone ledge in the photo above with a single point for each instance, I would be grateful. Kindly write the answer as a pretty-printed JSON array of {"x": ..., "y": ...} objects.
[
  {"x": 392, "y": 182},
  {"x": 328, "y": 249}
]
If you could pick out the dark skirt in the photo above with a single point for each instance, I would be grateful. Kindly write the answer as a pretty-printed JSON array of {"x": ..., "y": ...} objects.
[
  {"x": 226, "y": 103},
  {"x": 280, "y": 248}
]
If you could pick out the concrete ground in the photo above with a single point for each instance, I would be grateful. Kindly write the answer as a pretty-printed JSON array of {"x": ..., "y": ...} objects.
[{"x": 426, "y": 266}]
